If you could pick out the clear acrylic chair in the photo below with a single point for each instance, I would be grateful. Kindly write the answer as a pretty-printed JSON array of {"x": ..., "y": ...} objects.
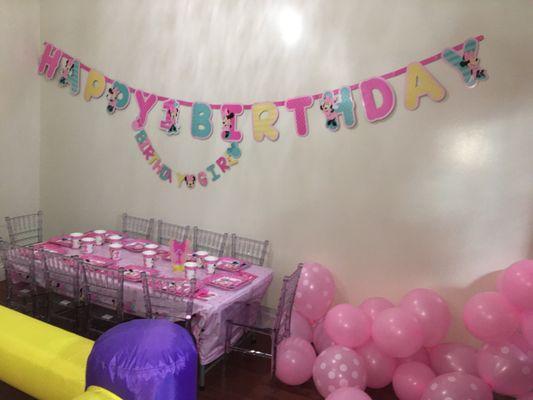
[
  {"x": 161, "y": 302},
  {"x": 212, "y": 242},
  {"x": 141, "y": 228},
  {"x": 25, "y": 230},
  {"x": 167, "y": 232},
  {"x": 63, "y": 284},
  {"x": 274, "y": 323},
  {"x": 253, "y": 251},
  {"x": 104, "y": 295},
  {"x": 23, "y": 292}
]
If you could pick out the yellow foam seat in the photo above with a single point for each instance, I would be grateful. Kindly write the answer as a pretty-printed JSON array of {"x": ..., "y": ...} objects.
[
  {"x": 41, "y": 360},
  {"x": 97, "y": 393}
]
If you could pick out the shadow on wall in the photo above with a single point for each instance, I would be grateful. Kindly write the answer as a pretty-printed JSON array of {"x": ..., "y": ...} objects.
[{"x": 458, "y": 331}]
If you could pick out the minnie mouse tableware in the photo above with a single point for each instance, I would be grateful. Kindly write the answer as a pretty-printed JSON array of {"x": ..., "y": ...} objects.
[
  {"x": 97, "y": 260},
  {"x": 49, "y": 247},
  {"x": 133, "y": 272},
  {"x": 76, "y": 239},
  {"x": 114, "y": 250},
  {"x": 199, "y": 256},
  {"x": 149, "y": 258},
  {"x": 99, "y": 236},
  {"x": 228, "y": 281},
  {"x": 65, "y": 241},
  {"x": 114, "y": 238},
  {"x": 211, "y": 264},
  {"x": 87, "y": 245},
  {"x": 230, "y": 264},
  {"x": 190, "y": 269},
  {"x": 135, "y": 246}
]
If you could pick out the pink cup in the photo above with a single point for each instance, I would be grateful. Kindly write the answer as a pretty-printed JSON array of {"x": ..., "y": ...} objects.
[
  {"x": 87, "y": 245},
  {"x": 200, "y": 255},
  {"x": 210, "y": 264},
  {"x": 149, "y": 258},
  {"x": 76, "y": 239},
  {"x": 114, "y": 238},
  {"x": 99, "y": 235},
  {"x": 190, "y": 269},
  {"x": 114, "y": 250},
  {"x": 153, "y": 247}
]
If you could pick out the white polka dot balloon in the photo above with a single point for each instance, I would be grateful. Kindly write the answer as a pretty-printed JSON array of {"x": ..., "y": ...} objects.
[
  {"x": 315, "y": 292},
  {"x": 338, "y": 367},
  {"x": 457, "y": 386},
  {"x": 507, "y": 367}
]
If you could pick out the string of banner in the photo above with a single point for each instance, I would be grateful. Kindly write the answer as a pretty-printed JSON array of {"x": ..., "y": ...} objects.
[{"x": 337, "y": 106}]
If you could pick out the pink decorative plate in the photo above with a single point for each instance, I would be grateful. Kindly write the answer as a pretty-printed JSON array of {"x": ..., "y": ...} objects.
[
  {"x": 229, "y": 281},
  {"x": 96, "y": 260},
  {"x": 231, "y": 264}
]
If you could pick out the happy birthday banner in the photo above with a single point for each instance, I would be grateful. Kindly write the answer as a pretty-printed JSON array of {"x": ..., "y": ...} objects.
[{"x": 337, "y": 105}]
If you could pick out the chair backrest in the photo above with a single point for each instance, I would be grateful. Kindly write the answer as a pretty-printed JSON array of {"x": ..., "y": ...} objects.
[
  {"x": 141, "y": 228},
  {"x": 161, "y": 301},
  {"x": 62, "y": 274},
  {"x": 212, "y": 242},
  {"x": 104, "y": 286},
  {"x": 282, "y": 325},
  {"x": 167, "y": 231},
  {"x": 25, "y": 229},
  {"x": 253, "y": 251},
  {"x": 4, "y": 247},
  {"x": 19, "y": 263}
]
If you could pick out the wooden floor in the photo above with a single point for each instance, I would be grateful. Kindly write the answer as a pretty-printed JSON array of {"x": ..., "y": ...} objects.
[{"x": 238, "y": 378}]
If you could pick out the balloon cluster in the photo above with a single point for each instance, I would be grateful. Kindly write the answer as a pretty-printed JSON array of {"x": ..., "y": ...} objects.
[{"x": 346, "y": 349}]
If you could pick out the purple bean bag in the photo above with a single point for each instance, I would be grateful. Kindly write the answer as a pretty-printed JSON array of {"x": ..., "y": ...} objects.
[{"x": 145, "y": 360}]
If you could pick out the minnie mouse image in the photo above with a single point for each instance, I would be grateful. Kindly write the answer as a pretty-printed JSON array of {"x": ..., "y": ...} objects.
[
  {"x": 471, "y": 62},
  {"x": 112, "y": 97},
  {"x": 66, "y": 72},
  {"x": 190, "y": 180},
  {"x": 172, "y": 115},
  {"x": 329, "y": 107},
  {"x": 228, "y": 124}
]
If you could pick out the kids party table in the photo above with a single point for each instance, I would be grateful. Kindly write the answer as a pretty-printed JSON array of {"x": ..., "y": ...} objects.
[{"x": 212, "y": 306}]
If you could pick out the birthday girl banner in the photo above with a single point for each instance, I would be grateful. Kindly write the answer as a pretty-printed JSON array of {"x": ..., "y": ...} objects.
[{"x": 337, "y": 105}]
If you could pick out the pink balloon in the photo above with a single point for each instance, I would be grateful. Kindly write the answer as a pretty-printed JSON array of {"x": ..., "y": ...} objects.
[
  {"x": 431, "y": 311},
  {"x": 300, "y": 327},
  {"x": 374, "y": 305},
  {"x": 338, "y": 367},
  {"x": 527, "y": 327},
  {"x": 411, "y": 380},
  {"x": 379, "y": 367},
  {"x": 347, "y": 325},
  {"x": 421, "y": 356},
  {"x": 490, "y": 317},
  {"x": 453, "y": 357},
  {"x": 321, "y": 340},
  {"x": 348, "y": 393},
  {"x": 527, "y": 396},
  {"x": 517, "y": 284},
  {"x": 457, "y": 386},
  {"x": 397, "y": 332},
  {"x": 315, "y": 291},
  {"x": 507, "y": 368},
  {"x": 294, "y": 361}
]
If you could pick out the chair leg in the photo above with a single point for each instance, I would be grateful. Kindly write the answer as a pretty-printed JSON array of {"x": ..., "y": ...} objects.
[
  {"x": 227, "y": 344},
  {"x": 49, "y": 308},
  {"x": 201, "y": 376},
  {"x": 273, "y": 351}
]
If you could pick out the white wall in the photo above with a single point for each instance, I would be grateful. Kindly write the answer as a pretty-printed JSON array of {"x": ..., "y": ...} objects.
[
  {"x": 438, "y": 197},
  {"x": 19, "y": 109}
]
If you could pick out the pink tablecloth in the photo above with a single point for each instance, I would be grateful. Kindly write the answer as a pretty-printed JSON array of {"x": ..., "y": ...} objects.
[{"x": 209, "y": 326}]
